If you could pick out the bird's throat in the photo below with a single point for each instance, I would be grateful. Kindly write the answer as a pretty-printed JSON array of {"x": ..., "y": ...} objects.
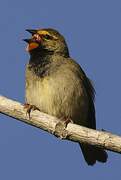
[{"x": 40, "y": 65}]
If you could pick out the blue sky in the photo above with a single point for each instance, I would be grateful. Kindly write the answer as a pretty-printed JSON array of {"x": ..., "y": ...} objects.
[{"x": 93, "y": 33}]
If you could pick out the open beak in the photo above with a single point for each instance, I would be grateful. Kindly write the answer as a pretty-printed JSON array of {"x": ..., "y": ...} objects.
[
  {"x": 27, "y": 40},
  {"x": 31, "y": 44},
  {"x": 32, "y": 31}
]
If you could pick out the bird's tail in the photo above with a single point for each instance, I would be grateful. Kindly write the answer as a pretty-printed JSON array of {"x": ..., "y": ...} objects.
[{"x": 92, "y": 154}]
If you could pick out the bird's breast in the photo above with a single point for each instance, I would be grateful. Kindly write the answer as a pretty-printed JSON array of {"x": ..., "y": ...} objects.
[{"x": 57, "y": 95}]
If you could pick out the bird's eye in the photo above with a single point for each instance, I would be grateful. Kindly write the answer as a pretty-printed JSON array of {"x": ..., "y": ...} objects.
[{"x": 47, "y": 37}]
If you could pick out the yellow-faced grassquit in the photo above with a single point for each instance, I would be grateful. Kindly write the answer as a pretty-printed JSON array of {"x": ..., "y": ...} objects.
[{"x": 57, "y": 85}]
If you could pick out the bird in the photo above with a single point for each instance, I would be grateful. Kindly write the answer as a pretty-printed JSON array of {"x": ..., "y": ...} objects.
[{"x": 57, "y": 85}]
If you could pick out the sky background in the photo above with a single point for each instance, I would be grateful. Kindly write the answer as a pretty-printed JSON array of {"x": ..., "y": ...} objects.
[{"x": 93, "y": 32}]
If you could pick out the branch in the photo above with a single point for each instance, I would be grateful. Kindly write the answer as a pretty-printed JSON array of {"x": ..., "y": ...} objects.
[{"x": 48, "y": 123}]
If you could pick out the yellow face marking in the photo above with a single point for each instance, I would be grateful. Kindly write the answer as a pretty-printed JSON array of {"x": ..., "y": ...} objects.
[{"x": 43, "y": 32}]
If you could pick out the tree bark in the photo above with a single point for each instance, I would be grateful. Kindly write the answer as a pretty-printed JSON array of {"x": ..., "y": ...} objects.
[{"x": 72, "y": 132}]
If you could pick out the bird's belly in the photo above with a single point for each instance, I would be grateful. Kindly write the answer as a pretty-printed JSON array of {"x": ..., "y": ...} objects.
[{"x": 57, "y": 99}]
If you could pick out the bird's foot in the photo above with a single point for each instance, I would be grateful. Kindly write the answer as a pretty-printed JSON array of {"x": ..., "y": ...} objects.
[
  {"x": 60, "y": 128},
  {"x": 30, "y": 108}
]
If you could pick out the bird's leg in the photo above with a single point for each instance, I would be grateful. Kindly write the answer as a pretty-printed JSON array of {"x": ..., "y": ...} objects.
[
  {"x": 60, "y": 128},
  {"x": 68, "y": 120},
  {"x": 30, "y": 108}
]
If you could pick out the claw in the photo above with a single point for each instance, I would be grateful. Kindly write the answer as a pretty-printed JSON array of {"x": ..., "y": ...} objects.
[
  {"x": 30, "y": 108},
  {"x": 60, "y": 128}
]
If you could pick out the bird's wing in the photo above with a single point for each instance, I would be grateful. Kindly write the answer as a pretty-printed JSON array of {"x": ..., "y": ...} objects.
[{"x": 90, "y": 91}]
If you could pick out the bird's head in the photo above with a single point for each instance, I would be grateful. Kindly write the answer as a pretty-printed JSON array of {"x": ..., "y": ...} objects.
[{"x": 46, "y": 40}]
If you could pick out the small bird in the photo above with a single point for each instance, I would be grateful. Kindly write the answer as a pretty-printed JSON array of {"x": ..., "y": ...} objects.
[{"x": 57, "y": 85}]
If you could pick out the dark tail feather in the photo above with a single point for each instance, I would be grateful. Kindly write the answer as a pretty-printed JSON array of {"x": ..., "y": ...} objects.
[{"x": 92, "y": 154}]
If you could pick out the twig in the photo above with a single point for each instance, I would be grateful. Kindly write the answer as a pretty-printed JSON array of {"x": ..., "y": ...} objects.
[{"x": 48, "y": 123}]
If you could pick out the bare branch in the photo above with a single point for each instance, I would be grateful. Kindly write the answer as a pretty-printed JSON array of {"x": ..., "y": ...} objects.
[{"x": 48, "y": 123}]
